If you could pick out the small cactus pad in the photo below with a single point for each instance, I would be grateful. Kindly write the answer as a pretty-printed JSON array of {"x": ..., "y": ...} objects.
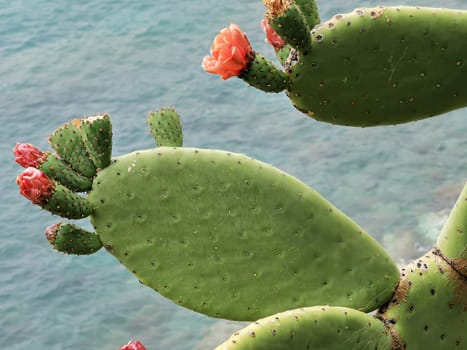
[
  {"x": 71, "y": 239},
  {"x": 384, "y": 65},
  {"x": 291, "y": 25},
  {"x": 96, "y": 133},
  {"x": 230, "y": 236},
  {"x": 60, "y": 171},
  {"x": 309, "y": 10},
  {"x": 165, "y": 127},
  {"x": 69, "y": 145},
  {"x": 452, "y": 241},
  {"x": 428, "y": 310},
  {"x": 68, "y": 204},
  {"x": 318, "y": 327},
  {"x": 262, "y": 74}
]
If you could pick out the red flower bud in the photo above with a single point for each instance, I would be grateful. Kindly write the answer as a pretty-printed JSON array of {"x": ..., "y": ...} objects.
[
  {"x": 133, "y": 345},
  {"x": 35, "y": 185},
  {"x": 27, "y": 155},
  {"x": 231, "y": 53},
  {"x": 271, "y": 36}
]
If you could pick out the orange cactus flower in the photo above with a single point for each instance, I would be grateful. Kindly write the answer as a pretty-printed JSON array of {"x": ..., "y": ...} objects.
[
  {"x": 231, "y": 53},
  {"x": 35, "y": 185},
  {"x": 272, "y": 37},
  {"x": 28, "y": 155}
]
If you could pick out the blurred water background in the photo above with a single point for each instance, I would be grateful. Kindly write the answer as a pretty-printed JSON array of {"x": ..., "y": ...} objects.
[{"x": 65, "y": 59}]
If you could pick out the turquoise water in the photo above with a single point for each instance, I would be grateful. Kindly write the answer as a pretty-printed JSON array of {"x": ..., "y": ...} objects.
[{"x": 61, "y": 59}]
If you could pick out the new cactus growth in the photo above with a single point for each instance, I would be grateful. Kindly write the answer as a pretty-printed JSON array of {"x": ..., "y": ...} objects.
[{"x": 373, "y": 66}]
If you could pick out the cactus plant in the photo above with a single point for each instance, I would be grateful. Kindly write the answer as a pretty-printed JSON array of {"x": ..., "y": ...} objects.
[
  {"x": 373, "y": 66},
  {"x": 230, "y": 236},
  {"x": 191, "y": 224}
]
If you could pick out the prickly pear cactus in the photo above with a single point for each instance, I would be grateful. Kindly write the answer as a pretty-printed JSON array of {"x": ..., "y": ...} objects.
[
  {"x": 373, "y": 66},
  {"x": 214, "y": 231}
]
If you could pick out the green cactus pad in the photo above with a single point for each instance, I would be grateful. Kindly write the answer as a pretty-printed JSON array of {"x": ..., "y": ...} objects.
[
  {"x": 309, "y": 10},
  {"x": 165, "y": 127},
  {"x": 96, "y": 133},
  {"x": 429, "y": 307},
  {"x": 262, "y": 74},
  {"x": 319, "y": 327},
  {"x": 283, "y": 54},
  {"x": 68, "y": 204},
  {"x": 291, "y": 25},
  {"x": 230, "y": 236},
  {"x": 60, "y": 171},
  {"x": 67, "y": 141},
  {"x": 384, "y": 65},
  {"x": 452, "y": 241},
  {"x": 71, "y": 239}
]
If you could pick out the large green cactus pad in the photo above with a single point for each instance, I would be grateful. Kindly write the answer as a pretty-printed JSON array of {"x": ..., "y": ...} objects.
[
  {"x": 317, "y": 328},
  {"x": 384, "y": 65},
  {"x": 429, "y": 308},
  {"x": 229, "y": 236}
]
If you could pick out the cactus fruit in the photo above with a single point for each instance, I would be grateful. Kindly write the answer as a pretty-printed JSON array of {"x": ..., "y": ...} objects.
[
  {"x": 373, "y": 66},
  {"x": 71, "y": 239},
  {"x": 51, "y": 195},
  {"x": 191, "y": 224}
]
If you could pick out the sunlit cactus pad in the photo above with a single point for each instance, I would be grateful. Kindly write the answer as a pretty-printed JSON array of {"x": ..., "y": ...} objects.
[{"x": 229, "y": 236}]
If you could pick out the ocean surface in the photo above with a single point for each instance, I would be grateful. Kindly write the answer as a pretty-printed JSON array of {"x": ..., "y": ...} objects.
[{"x": 65, "y": 59}]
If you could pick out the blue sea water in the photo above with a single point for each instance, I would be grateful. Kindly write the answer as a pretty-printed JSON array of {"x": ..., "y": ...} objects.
[{"x": 65, "y": 59}]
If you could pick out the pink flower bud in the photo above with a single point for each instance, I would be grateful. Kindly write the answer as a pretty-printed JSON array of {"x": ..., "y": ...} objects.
[
  {"x": 27, "y": 155},
  {"x": 231, "y": 53},
  {"x": 133, "y": 345},
  {"x": 35, "y": 185},
  {"x": 272, "y": 37}
]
